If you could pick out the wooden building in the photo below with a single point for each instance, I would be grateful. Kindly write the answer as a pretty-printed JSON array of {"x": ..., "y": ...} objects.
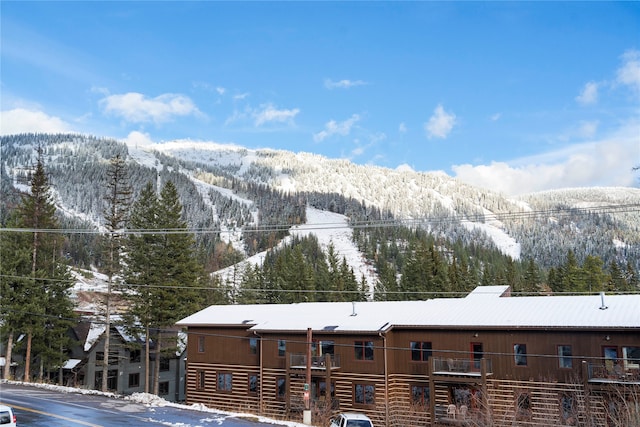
[{"x": 486, "y": 359}]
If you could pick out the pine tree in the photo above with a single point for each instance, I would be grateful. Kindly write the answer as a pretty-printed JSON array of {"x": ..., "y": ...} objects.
[
  {"x": 531, "y": 282},
  {"x": 162, "y": 268},
  {"x": 116, "y": 213},
  {"x": 594, "y": 274},
  {"x": 39, "y": 299}
]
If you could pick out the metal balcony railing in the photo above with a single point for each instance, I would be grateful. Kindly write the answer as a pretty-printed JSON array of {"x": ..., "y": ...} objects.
[
  {"x": 298, "y": 360},
  {"x": 613, "y": 372},
  {"x": 460, "y": 366}
]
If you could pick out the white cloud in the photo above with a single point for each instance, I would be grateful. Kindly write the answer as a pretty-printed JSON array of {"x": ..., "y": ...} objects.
[
  {"x": 137, "y": 108},
  {"x": 343, "y": 84},
  {"x": 495, "y": 117},
  {"x": 336, "y": 128},
  {"x": 440, "y": 124},
  {"x": 606, "y": 162},
  {"x": 220, "y": 90},
  {"x": 270, "y": 114},
  {"x": 241, "y": 96},
  {"x": 402, "y": 128},
  {"x": 405, "y": 168},
  {"x": 589, "y": 94},
  {"x": 21, "y": 120},
  {"x": 629, "y": 72},
  {"x": 135, "y": 139}
]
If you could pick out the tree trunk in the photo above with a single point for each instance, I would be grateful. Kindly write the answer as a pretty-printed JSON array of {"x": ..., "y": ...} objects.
[
  {"x": 27, "y": 359},
  {"x": 156, "y": 368},
  {"x": 146, "y": 361},
  {"x": 7, "y": 362},
  {"x": 107, "y": 336}
]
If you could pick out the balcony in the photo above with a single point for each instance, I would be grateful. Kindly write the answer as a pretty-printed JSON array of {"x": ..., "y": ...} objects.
[
  {"x": 461, "y": 367},
  {"x": 612, "y": 373},
  {"x": 299, "y": 361}
]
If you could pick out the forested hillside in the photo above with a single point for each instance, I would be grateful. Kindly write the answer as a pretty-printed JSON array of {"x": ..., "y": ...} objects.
[{"x": 422, "y": 233}]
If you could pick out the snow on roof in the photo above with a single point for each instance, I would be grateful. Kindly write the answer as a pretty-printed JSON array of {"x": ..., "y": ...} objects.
[
  {"x": 71, "y": 363},
  {"x": 95, "y": 332},
  {"x": 484, "y": 307}
]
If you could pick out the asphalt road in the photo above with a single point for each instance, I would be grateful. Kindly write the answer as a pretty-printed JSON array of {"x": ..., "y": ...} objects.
[{"x": 51, "y": 408}]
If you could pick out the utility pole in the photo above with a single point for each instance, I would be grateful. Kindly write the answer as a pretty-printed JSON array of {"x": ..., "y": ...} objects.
[{"x": 306, "y": 418}]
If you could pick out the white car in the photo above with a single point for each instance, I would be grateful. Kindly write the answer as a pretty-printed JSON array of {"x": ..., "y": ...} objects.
[
  {"x": 351, "y": 419},
  {"x": 7, "y": 417}
]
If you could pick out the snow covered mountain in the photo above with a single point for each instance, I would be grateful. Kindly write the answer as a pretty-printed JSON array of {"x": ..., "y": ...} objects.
[{"x": 223, "y": 188}]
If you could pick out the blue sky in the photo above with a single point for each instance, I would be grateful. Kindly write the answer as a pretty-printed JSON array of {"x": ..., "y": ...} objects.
[{"x": 513, "y": 96}]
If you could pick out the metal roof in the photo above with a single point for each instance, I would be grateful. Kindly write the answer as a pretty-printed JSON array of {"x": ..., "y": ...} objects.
[{"x": 485, "y": 307}]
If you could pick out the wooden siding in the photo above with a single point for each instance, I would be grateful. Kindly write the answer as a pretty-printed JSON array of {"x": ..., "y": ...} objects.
[{"x": 393, "y": 373}]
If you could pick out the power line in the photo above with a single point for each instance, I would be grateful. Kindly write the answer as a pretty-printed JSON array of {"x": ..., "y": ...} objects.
[{"x": 360, "y": 224}]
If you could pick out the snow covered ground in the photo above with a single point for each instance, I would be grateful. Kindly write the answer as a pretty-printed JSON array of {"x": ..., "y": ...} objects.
[{"x": 329, "y": 228}]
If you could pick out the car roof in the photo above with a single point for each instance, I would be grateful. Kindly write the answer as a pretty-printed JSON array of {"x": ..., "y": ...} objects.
[
  {"x": 355, "y": 416},
  {"x": 5, "y": 408}
]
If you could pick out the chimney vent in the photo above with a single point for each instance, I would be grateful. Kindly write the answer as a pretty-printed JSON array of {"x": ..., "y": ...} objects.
[
  {"x": 602, "y": 305},
  {"x": 353, "y": 308}
]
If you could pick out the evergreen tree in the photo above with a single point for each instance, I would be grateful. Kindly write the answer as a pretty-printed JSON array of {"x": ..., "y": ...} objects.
[
  {"x": 595, "y": 277},
  {"x": 162, "y": 269},
  {"x": 531, "y": 282},
  {"x": 39, "y": 304},
  {"x": 617, "y": 282},
  {"x": 116, "y": 213}
]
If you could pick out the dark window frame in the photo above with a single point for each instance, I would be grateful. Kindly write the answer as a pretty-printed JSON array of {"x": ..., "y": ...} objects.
[
  {"x": 163, "y": 388},
  {"x": 520, "y": 355},
  {"x": 134, "y": 380},
  {"x": 201, "y": 378},
  {"x": 420, "y": 394},
  {"x": 565, "y": 359},
  {"x": 421, "y": 351},
  {"x": 224, "y": 381},
  {"x": 367, "y": 391},
  {"x": 253, "y": 384},
  {"x": 363, "y": 350},
  {"x": 282, "y": 348},
  {"x": 201, "y": 344},
  {"x": 281, "y": 388}
]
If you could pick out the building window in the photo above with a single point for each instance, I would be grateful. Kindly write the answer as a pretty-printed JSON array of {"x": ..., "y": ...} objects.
[
  {"x": 253, "y": 384},
  {"x": 564, "y": 356},
  {"x": 113, "y": 358},
  {"x": 112, "y": 379},
  {"x": 477, "y": 353},
  {"x": 165, "y": 364},
  {"x": 520, "y": 354},
  {"x": 163, "y": 388},
  {"x": 320, "y": 348},
  {"x": 420, "y": 351},
  {"x": 523, "y": 406},
  {"x": 364, "y": 394},
  {"x": 135, "y": 356},
  {"x": 281, "y": 388},
  {"x": 568, "y": 410},
  {"x": 631, "y": 357},
  {"x": 282, "y": 348},
  {"x": 364, "y": 350},
  {"x": 253, "y": 345},
  {"x": 134, "y": 380},
  {"x": 201, "y": 344},
  {"x": 200, "y": 379},
  {"x": 224, "y": 381},
  {"x": 420, "y": 395}
]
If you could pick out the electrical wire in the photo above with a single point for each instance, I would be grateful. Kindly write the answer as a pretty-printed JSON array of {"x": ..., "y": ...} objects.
[{"x": 362, "y": 224}]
